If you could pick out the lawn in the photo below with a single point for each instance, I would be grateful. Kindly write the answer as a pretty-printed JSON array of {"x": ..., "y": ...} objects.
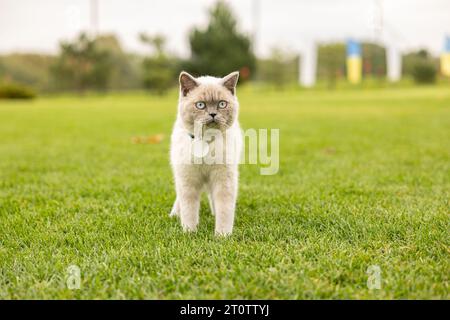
[{"x": 364, "y": 181}]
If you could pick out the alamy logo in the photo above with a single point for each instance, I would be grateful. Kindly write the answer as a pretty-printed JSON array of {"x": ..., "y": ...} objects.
[
  {"x": 73, "y": 280},
  {"x": 258, "y": 147},
  {"x": 374, "y": 277}
]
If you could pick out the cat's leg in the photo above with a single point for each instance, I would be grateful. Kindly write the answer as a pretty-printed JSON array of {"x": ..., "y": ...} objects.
[
  {"x": 211, "y": 202},
  {"x": 224, "y": 194},
  {"x": 175, "y": 209},
  {"x": 189, "y": 186},
  {"x": 189, "y": 208}
]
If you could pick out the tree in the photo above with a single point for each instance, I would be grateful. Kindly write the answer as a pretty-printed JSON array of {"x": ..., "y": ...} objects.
[
  {"x": 374, "y": 60},
  {"x": 220, "y": 48},
  {"x": 420, "y": 65},
  {"x": 125, "y": 71},
  {"x": 159, "y": 68},
  {"x": 424, "y": 72},
  {"x": 331, "y": 62},
  {"x": 82, "y": 65},
  {"x": 279, "y": 69}
]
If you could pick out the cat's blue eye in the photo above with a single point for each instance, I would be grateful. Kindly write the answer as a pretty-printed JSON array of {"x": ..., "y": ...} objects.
[
  {"x": 200, "y": 105},
  {"x": 222, "y": 104}
]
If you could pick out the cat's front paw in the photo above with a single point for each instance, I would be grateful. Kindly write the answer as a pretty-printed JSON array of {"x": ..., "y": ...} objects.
[
  {"x": 173, "y": 213},
  {"x": 189, "y": 228},
  {"x": 223, "y": 232},
  {"x": 175, "y": 210}
]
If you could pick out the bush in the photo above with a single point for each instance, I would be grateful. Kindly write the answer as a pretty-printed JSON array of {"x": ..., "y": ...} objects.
[
  {"x": 16, "y": 91},
  {"x": 331, "y": 63},
  {"x": 82, "y": 65},
  {"x": 27, "y": 68},
  {"x": 280, "y": 69},
  {"x": 159, "y": 72},
  {"x": 424, "y": 72}
]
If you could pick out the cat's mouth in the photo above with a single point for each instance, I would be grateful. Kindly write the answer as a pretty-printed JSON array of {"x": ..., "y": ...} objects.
[
  {"x": 210, "y": 121},
  {"x": 213, "y": 122}
]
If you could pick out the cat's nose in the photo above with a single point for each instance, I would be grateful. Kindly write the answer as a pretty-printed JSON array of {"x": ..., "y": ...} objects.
[{"x": 213, "y": 114}]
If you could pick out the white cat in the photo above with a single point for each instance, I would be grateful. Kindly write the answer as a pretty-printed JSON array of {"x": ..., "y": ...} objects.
[{"x": 206, "y": 104}]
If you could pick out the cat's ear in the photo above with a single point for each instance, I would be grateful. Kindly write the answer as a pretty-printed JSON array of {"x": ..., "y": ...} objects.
[
  {"x": 230, "y": 81},
  {"x": 187, "y": 83}
]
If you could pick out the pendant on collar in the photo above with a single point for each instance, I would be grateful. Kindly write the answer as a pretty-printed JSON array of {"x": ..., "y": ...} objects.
[{"x": 199, "y": 148}]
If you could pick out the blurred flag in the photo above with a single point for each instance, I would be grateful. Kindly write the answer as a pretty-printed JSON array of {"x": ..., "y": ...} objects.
[
  {"x": 354, "y": 63},
  {"x": 445, "y": 58}
]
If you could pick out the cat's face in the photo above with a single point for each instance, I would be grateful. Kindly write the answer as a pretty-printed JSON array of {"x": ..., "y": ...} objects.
[{"x": 208, "y": 101}]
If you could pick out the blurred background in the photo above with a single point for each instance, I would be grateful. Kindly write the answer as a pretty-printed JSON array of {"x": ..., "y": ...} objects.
[
  {"x": 360, "y": 93},
  {"x": 52, "y": 46}
]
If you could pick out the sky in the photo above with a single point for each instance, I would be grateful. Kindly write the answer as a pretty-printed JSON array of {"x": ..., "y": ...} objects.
[{"x": 38, "y": 26}]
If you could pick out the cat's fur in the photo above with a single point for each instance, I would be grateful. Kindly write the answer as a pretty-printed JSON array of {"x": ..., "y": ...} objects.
[{"x": 219, "y": 180}]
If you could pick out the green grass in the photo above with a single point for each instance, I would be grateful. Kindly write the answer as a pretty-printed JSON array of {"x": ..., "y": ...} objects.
[{"x": 364, "y": 180}]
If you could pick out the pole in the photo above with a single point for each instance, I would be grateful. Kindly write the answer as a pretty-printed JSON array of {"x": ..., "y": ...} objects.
[
  {"x": 94, "y": 17},
  {"x": 255, "y": 18}
]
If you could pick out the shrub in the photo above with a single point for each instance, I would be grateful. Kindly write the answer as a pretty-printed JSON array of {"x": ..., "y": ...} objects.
[
  {"x": 280, "y": 69},
  {"x": 424, "y": 72},
  {"x": 159, "y": 68},
  {"x": 82, "y": 64},
  {"x": 16, "y": 91}
]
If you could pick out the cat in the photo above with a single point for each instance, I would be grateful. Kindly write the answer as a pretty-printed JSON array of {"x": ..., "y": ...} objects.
[{"x": 206, "y": 104}]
